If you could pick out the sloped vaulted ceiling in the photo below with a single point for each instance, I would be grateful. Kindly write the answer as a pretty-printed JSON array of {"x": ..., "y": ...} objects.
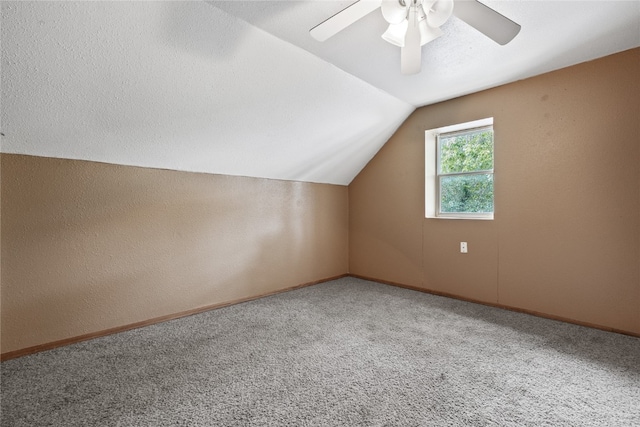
[{"x": 240, "y": 88}]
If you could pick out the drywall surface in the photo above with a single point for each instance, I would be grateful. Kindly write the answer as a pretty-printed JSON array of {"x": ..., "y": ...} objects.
[
  {"x": 90, "y": 246},
  {"x": 565, "y": 240}
]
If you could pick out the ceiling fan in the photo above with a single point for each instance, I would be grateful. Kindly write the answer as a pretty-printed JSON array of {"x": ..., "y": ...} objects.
[{"x": 414, "y": 23}]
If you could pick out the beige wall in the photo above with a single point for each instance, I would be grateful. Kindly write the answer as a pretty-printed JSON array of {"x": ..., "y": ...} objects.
[
  {"x": 90, "y": 246},
  {"x": 566, "y": 236}
]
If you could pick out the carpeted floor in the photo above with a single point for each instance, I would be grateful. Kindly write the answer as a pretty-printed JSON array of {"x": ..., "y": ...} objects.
[{"x": 343, "y": 353}]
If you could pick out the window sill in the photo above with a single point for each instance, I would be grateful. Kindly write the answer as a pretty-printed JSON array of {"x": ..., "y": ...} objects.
[{"x": 464, "y": 217}]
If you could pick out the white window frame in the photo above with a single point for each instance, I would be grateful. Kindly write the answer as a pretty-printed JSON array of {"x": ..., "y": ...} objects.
[{"x": 432, "y": 168}]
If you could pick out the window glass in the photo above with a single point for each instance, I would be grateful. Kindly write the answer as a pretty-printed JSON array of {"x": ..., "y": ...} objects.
[
  {"x": 466, "y": 193},
  {"x": 466, "y": 151}
]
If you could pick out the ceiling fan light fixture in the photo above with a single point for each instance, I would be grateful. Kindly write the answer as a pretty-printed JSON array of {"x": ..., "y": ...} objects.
[
  {"x": 394, "y": 11},
  {"x": 428, "y": 33},
  {"x": 438, "y": 12},
  {"x": 396, "y": 33}
]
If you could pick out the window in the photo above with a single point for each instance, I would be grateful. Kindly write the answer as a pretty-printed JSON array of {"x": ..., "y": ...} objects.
[{"x": 459, "y": 171}]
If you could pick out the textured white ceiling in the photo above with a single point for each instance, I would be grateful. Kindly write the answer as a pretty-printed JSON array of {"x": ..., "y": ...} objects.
[{"x": 240, "y": 87}]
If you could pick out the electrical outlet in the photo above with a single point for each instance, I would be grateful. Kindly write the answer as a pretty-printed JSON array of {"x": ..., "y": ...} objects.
[{"x": 463, "y": 247}]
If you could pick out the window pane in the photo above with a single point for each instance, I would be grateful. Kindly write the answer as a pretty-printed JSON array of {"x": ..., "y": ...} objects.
[
  {"x": 466, "y": 193},
  {"x": 466, "y": 152}
]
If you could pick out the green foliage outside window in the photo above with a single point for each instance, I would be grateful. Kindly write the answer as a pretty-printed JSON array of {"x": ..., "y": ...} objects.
[{"x": 461, "y": 190}]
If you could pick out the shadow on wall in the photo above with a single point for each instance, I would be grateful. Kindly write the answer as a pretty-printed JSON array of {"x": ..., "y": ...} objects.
[{"x": 88, "y": 247}]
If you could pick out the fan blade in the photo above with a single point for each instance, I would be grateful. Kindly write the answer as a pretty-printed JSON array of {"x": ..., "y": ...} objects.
[
  {"x": 343, "y": 19},
  {"x": 492, "y": 24},
  {"x": 411, "y": 53}
]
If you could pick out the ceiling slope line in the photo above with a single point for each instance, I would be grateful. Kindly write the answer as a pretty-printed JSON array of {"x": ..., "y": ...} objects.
[{"x": 212, "y": 3}]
